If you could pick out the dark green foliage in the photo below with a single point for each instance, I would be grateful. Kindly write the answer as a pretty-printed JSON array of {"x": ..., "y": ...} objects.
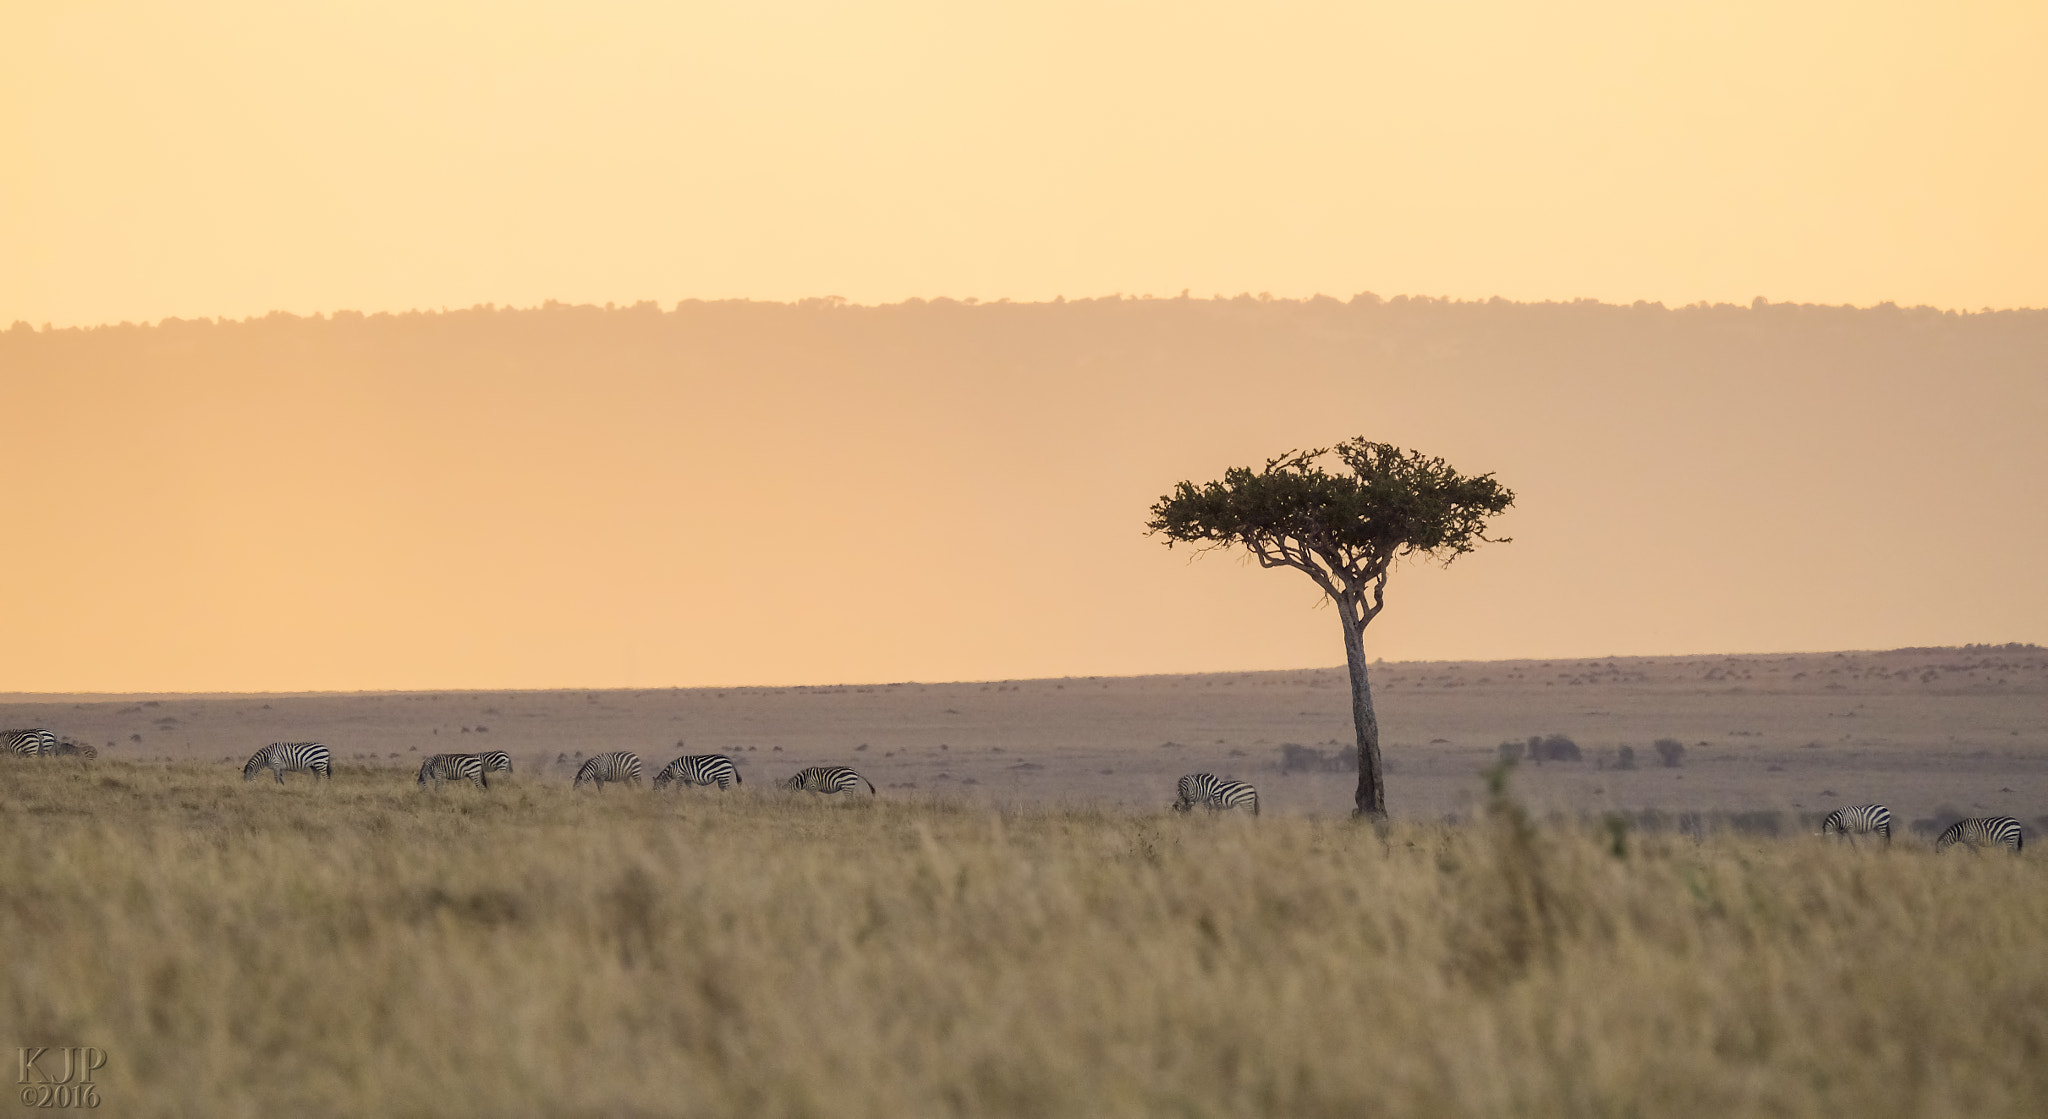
[
  {"x": 1343, "y": 528},
  {"x": 1553, "y": 748},
  {"x": 1617, "y": 834}
]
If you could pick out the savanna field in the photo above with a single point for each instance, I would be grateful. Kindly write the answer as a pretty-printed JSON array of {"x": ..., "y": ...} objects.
[{"x": 365, "y": 948}]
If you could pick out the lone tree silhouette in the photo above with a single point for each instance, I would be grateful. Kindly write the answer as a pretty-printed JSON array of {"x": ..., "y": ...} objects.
[{"x": 1344, "y": 531}]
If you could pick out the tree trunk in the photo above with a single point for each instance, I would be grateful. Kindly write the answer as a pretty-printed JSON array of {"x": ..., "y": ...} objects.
[{"x": 1371, "y": 799}]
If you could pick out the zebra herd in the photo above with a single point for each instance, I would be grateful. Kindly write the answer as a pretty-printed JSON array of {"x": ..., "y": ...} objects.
[
  {"x": 1876, "y": 819},
  {"x": 1195, "y": 790},
  {"x": 40, "y": 743},
  {"x": 474, "y": 768},
  {"x": 623, "y": 767}
]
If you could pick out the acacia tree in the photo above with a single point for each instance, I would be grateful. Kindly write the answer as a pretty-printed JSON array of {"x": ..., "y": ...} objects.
[{"x": 1344, "y": 530}]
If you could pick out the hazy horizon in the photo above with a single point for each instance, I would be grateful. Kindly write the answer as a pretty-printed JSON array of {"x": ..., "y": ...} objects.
[
  {"x": 975, "y": 301},
  {"x": 1973, "y": 648}
]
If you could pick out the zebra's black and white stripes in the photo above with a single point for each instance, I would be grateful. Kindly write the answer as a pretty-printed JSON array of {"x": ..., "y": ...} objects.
[
  {"x": 1983, "y": 831},
  {"x": 1863, "y": 819},
  {"x": 828, "y": 779},
  {"x": 70, "y": 749},
  {"x": 454, "y": 767},
  {"x": 621, "y": 766},
  {"x": 278, "y": 757},
  {"x": 30, "y": 743},
  {"x": 496, "y": 761},
  {"x": 699, "y": 769},
  {"x": 1213, "y": 792}
]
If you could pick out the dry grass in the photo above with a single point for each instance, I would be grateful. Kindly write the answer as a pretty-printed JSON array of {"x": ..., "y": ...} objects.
[{"x": 365, "y": 948}]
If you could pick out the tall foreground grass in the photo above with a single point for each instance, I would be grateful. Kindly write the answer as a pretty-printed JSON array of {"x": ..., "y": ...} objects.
[{"x": 364, "y": 948}]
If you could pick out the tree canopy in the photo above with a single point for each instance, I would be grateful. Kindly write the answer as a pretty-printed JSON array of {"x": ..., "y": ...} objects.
[{"x": 1344, "y": 530}]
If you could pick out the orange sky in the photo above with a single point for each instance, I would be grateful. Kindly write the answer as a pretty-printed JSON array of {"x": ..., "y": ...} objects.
[
  {"x": 449, "y": 514},
  {"x": 222, "y": 158}
]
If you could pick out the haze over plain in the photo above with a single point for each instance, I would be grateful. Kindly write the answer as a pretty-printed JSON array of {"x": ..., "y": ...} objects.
[{"x": 724, "y": 493}]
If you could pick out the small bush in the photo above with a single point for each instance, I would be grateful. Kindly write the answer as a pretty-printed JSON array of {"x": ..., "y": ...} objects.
[
  {"x": 1296, "y": 757},
  {"x": 1671, "y": 752},
  {"x": 1553, "y": 748},
  {"x": 1625, "y": 758}
]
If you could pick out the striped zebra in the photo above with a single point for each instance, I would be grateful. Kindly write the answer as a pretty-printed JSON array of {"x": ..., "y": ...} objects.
[
  {"x": 1864, "y": 819},
  {"x": 1215, "y": 793},
  {"x": 1983, "y": 831},
  {"x": 28, "y": 743},
  {"x": 70, "y": 749},
  {"x": 699, "y": 769},
  {"x": 496, "y": 761},
  {"x": 306, "y": 757},
  {"x": 828, "y": 779},
  {"x": 453, "y": 767},
  {"x": 619, "y": 765}
]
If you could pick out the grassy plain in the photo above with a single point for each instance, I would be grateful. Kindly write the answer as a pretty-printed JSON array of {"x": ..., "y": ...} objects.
[
  {"x": 366, "y": 948},
  {"x": 1934, "y": 733}
]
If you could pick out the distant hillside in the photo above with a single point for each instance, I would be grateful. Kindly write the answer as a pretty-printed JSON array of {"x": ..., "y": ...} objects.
[{"x": 745, "y": 491}]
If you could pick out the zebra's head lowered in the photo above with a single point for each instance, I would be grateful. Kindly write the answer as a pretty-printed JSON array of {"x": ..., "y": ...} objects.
[
  {"x": 257, "y": 762},
  {"x": 1192, "y": 789}
]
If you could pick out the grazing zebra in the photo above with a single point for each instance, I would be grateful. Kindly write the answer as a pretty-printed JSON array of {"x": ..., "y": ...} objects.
[
  {"x": 28, "y": 743},
  {"x": 828, "y": 779},
  {"x": 619, "y": 765},
  {"x": 1864, "y": 819},
  {"x": 1216, "y": 793},
  {"x": 308, "y": 757},
  {"x": 453, "y": 767},
  {"x": 699, "y": 769},
  {"x": 496, "y": 761},
  {"x": 1984, "y": 831},
  {"x": 70, "y": 749}
]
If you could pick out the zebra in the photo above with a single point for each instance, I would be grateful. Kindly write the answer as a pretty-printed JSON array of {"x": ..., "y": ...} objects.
[
  {"x": 1983, "y": 831},
  {"x": 70, "y": 749},
  {"x": 699, "y": 769},
  {"x": 28, "y": 743},
  {"x": 619, "y": 765},
  {"x": 308, "y": 757},
  {"x": 1864, "y": 819},
  {"x": 1215, "y": 793},
  {"x": 828, "y": 779},
  {"x": 453, "y": 767},
  {"x": 496, "y": 761}
]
